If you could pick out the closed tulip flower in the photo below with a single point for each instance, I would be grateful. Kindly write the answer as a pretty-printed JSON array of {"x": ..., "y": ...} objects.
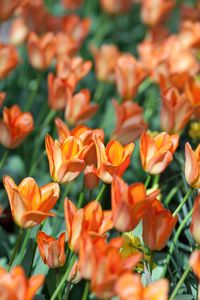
[
  {"x": 15, "y": 286},
  {"x": 15, "y": 126},
  {"x": 154, "y": 235},
  {"x": 30, "y": 204},
  {"x": 91, "y": 179},
  {"x": 128, "y": 203},
  {"x": 65, "y": 159},
  {"x": 194, "y": 262},
  {"x": 51, "y": 250},
  {"x": 195, "y": 223},
  {"x": 129, "y": 73},
  {"x": 41, "y": 50},
  {"x": 176, "y": 111},
  {"x": 91, "y": 219},
  {"x": 192, "y": 166},
  {"x": 157, "y": 151},
  {"x": 113, "y": 159},
  {"x": 79, "y": 109},
  {"x": 8, "y": 59}
]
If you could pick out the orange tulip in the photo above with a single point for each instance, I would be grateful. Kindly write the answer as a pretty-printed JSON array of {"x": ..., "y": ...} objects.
[
  {"x": 7, "y": 8},
  {"x": 192, "y": 91},
  {"x": 192, "y": 166},
  {"x": 91, "y": 179},
  {"x": 105, "y": 60},
  {"x": 65, "y": 45},
  {"x": 72, "y": 4},
  {"x": 59, "y": 92},
  {"x": 154, "y": 11},
  {"x": 129, "y": 286},
  {"x": 15, "y": 286},
  {"x": 51, "y": 250},
  {"x": 129, "y": 73},
  {"x": 190, "y": 34},
  {"x": 65, "y": 159},
  {"x": 195, "y": 263},
  {"x": 154, "y": 235},
  {"x": 176, "y": 111},
  {"x": 156, "y": 152},
  {"x": 18, "y": 31},
  {"x": 79, "y": 109},
  {"x": 2, "y": 98},
  {"x": 195, "y": 223},
  {"x": 8, "y": 59},
  {"x": 113, "y": 159},
  {"x": 128, "y": 203},
  {"x": 15, "y": 126},
  {"x": 130, "y": 124},
  {"x": 41, "y": 50},
  {"x": 103, "y": 264},
  {"x": 115, "y": 7},
  {"x": 72, "y": 69},
  {"x": 30, "y": 205},
  {"x": 91, "y": 219}
]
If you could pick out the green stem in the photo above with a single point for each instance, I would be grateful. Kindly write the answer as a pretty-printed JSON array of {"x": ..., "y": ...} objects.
[
  {"x": 64, "y": 279},
  {"x": 98, "y": 198},
  {"x": 24, "y": 245},
  {"x": 179, "y": 284},
  {"x": 156, "y": 179},
  {"x": 15, "y": 249},
  {"x": 86, "y": 291},
  {"x": 172, "y": 193},
  {"x": 144, "y": 85},
  {"x": 147, "y": 180},
  {"x": 151, "y": 261},
  {"x": 3, "y": 160},
  {"x": 176, "y": 237},
  {"x": 183, "y": 202},
  {"x": 34, "y": 93},
  {"x": 58, "y": 280}
]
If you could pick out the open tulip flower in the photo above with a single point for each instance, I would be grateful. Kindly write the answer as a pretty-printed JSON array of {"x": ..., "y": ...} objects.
[
  {"x": 15, "y": 126},
  {"x": 91, "y": 219},
  {"x": 129, "y": 203},
  {"x": 51, "y": 250},
  {"x": 157, "y": 151},
  {"x": 8, "y": 59},
  {"x": 30, "y": 205},
  {"x": 192, "y": 166},
  {"x": 14, "y": 285},
  {"x": 41, "y": 50},
  {"x": 154, "y": 235},
  {"x": 65, "y": 159},
  {"x": 79, "y": 109},
  {"x": 113, "y": 159}
]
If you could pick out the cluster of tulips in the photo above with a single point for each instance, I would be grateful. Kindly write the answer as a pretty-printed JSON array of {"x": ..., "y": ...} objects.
[{"x": 108, "y": 249}]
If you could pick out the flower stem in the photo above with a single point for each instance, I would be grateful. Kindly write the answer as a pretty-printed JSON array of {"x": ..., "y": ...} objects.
[
  {"x": 147, "y": 180},
  {"x": 189, "y": 192},
  {"x": 86, "y": 291},
  {"x": 3, "y": 160},
  {"x": 58, "y": 280},
  {"x": 98, "y": 198},
  {"x": 62, "y": 282},
  {"x": 15, "y": 249},
  {"x": 176, "y": 237},
  {"x": 24, "y": 245},
  {"x": 179, "y": 284}
]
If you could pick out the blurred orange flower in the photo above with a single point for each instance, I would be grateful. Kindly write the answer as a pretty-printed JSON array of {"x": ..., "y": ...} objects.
[
  {"x": 41, "y": 50},
  {"x": 72, "y": 4},
  {"x": 129, "y": 286},
  {"x": 192, "y": 166},
  {"x": 195, "y": 263},
  {"x": 2, "y": 98},
  {"x": 8, "y": 59},
  {"x": 79, "y": 109},
  {"x": 103, "y": 264},
  {"x": 157, "y": 151},
  {"x": 130, "y": 123},
  {"x": 15, "y": 285},
  {"x": 65, "y": 159},
  {"x": 115, "y": 7},
  {"x": 15, "y": 126},
  {"x": 192, "y": 91},
  {"x": 7, "y": 8},
  {"x": 176, "y": 111},
  {"x": 30, "y": 204},
  {"x": 154, "y": 235},
  {"x": 51, "y": 250},
  {"x": 105, "y": 60},
  {"x": 154, "y": 11},
  {"x": 128, "y": 203},
  {"x": 59, "y": 92},
  {"x": 113, "y": 159},
  {"x": 18, "y": 31},
  {"x": 91, "y": 219},
  {"x": 195, "y": 222},
  {"x": 129, "y": 73}
]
